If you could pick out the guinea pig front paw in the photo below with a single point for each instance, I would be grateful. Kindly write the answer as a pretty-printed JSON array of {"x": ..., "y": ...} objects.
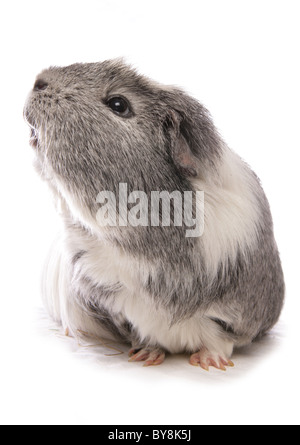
[
  {"x": 206, "y": 358},
  {"x": 151, "y": 356}
]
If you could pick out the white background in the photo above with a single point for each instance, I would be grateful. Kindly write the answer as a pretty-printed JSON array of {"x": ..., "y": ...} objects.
[{"x": 241, "y": 59}]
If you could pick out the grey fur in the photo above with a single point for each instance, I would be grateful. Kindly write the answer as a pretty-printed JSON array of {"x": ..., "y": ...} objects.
[{"x": 91, "y": 149}]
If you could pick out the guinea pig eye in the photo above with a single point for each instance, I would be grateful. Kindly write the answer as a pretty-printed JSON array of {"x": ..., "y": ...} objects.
[{"x": 119, "y": 106}]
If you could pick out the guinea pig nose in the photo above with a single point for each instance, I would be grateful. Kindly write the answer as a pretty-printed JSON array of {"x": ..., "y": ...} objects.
[{"x": 40, "y": 84}]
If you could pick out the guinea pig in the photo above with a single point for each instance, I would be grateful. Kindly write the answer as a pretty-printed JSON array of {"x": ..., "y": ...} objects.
[{"x": 161, "y": 288}]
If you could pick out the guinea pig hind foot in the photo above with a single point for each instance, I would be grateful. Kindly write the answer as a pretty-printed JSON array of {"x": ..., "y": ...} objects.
[
  {"x": 151, "y": 356},
  {"x": 205, "y": 358}
]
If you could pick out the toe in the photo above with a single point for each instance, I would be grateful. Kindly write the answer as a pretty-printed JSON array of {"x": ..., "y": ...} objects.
[
  {"x": 155, "y": 358},
  {"x": 152, "y": 357},
  {"x": 204, "y": 358},
  {"x": 139, "y": 356}
]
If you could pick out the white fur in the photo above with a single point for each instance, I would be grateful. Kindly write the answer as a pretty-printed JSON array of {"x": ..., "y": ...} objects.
[{"x": 230, "y": 211}]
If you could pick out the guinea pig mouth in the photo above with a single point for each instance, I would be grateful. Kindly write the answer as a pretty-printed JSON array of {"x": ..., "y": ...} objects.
[{"x": 33, "y": 141}]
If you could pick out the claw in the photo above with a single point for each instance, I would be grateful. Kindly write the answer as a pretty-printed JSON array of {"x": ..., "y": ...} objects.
[
  {"x": 155, "y": 358},
  {"x": 139, "y": 356},
  {"x": 205, "y": 359},
  {"x": 152, "y": 357}
]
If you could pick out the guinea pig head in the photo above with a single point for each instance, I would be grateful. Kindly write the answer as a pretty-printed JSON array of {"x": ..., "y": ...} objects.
[{"x": 94, "y": 126}]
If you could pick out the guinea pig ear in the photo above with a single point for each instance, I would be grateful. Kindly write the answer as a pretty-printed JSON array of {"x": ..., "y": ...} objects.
[{"x": 181, "y": 153}]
